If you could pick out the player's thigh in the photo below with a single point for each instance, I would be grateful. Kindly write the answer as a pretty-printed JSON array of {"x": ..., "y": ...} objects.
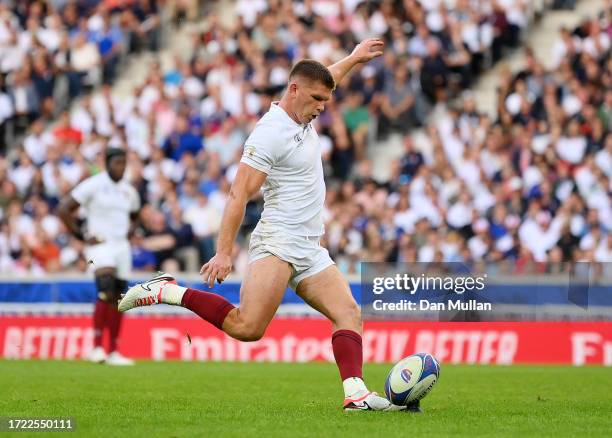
[
  {"x": 329, "y": 293},
  {"x": 262, "y": 290},
  {"x": 123, "y": 260}
]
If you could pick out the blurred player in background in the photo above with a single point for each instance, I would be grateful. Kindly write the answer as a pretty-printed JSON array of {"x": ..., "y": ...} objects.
[
  {"x": 111, "y": 207},
  {"x": 283, "y": 156}
]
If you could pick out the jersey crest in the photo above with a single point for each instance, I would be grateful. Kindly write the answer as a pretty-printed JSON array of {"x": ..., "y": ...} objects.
[{"x": 249, "y": 150}]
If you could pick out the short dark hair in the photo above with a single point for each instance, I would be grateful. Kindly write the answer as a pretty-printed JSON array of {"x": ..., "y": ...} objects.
[
  {"x": 313, "y": 70},
  {"x": 112, "y": 152}
]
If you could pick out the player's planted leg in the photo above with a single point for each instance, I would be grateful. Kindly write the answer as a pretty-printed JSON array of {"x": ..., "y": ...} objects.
[{"x": 329, "y": 293}]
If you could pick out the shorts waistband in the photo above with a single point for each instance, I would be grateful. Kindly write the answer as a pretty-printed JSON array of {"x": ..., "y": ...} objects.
[{"x": 309, "y": 238}]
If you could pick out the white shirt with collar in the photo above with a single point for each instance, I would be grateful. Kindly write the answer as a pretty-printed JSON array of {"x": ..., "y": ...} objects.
[
  {"x": 107, "y": 206},
  {"x": 294, "y": 191}
]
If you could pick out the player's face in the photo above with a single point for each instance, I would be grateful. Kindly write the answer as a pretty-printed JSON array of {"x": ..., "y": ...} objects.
[
  {"x": 310, "y": 100},
  {"x": 116, "y": 167}
]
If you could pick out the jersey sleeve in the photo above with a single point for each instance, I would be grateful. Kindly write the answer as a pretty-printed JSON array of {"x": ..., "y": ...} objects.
[
  {"x": 261, "y": 149},
  {"x": 84, "y": 191}
]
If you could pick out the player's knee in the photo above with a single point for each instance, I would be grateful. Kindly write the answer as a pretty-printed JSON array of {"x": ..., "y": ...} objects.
[
  {"x": 249, "y": 332},
  {"x": 110, "y": 287},
  {"x": 348, "y": 316},
  {"x": 252, "y": 336},
  {"x": 354, "y": 312},
  {"x": 105, "y": 283}
]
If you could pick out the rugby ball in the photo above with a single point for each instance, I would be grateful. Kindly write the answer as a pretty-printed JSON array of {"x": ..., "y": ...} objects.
[{"x": 412, "y": 378}]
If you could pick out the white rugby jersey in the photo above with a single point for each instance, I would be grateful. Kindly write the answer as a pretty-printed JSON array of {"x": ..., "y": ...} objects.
[
  {"x": 107, "y": 205},
  {"x": 294, "y": 191}
]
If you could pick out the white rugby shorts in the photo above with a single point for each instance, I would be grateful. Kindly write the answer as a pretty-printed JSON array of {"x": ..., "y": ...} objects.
[
  {"x": 304, "y": 254},
  {"x": 112, "y": 254}
]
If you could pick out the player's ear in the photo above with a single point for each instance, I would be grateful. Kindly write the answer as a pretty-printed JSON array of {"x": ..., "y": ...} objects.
[{"x": 293, "y": 89}]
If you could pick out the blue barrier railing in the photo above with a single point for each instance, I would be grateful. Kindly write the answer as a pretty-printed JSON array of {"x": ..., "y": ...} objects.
[{"x": 84, "y": 291}]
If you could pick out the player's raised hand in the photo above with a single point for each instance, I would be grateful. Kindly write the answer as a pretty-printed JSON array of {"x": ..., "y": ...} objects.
[
  {"x": 217, "y": 269},
  {"x": 368, "y": 49}
]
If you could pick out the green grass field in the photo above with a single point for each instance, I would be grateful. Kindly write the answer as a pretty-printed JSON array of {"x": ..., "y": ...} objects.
[{"x": 174, "y": 399}]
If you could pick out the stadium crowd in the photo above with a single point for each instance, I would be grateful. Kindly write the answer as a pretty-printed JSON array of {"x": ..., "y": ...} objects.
[
  {"x": 525, "y": 190},
  {"x": 50, "y": 51}
]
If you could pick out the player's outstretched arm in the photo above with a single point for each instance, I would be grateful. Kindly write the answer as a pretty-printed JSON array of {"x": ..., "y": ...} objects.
[
  {"x": 363, "y": 52},
  {"x": 247, "y": 183}
]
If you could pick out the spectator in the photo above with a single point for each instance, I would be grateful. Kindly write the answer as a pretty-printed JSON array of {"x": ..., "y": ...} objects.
[
  {"x": 227, "y": 142},
  {"x": 44, "y": 79},
  {"x": 6, "y": 116},
  {"x": 434, "y": 74},
  {"x": 411, "y": 161},
  {"x": 85, "y": 62},
  {"x": 205, "y": 222},
  {"x": 397, "y": 103},
  {"x": 185, "y": 253},
  {"x": 159, "y": 238},
  {"x": 145, "y": 25},
  {"x": 45, "y": 251},
  {"x": 142, "y": 259},
  {"x": 183, "y": 139},
  {"x": 110, "y": 44},
  {"x": 25, "y": 99}
]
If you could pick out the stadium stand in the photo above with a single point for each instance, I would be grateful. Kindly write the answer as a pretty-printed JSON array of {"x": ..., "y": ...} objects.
[
  {"x": 51, "y": 51},
  {"x": 530, "y": 186}
]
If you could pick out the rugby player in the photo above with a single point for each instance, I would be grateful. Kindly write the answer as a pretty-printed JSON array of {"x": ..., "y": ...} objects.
[
  {"x": 282, "y": 156},
  {"x": 111, "y": 206}
]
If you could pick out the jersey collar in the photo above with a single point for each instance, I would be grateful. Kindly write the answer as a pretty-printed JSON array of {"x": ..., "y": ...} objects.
[
  {"x": 277, "y": 108},
  {"x": 110, "y": 179}
]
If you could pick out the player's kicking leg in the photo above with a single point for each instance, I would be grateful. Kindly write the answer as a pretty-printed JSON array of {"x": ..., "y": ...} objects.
[
  {"x": 260, "y": 295},
  {"x": 329, "y": 293}
]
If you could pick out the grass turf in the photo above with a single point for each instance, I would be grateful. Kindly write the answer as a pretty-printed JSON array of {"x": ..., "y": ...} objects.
[{"x": 175, "y": 399}]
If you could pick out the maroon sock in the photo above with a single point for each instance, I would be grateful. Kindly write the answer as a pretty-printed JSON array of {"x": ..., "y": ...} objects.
[
  {"x": 99, "y": 322},
  {"x": 348, "y": 353},
  {"x": 113, "y": 318},
  {"x": 208, "y": 306}
]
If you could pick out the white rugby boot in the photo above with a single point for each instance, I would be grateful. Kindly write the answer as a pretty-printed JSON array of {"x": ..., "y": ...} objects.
[
  {"x": 369, "y": 401},
  {"x": 97, "y": 355},
  {"x": 149, "y": 293},
  {"x": 116, "y": 358}
]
